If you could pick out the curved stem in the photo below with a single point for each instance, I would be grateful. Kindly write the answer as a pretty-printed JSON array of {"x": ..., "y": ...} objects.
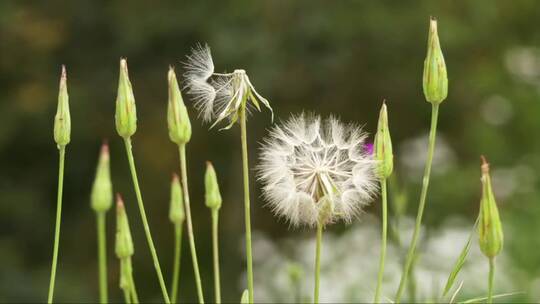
[
  {"x": 102, "y": 257},
  {"x": 317, "y": 262},
  {"x": 423, "y": 195},
  {"x": 133, "y": 170},
  {"x": 62, "y": 154},
  {"x": 383, "y": 240},
  {"x": 215, "y": 251},
  {"x": 245, "y": 165},
  {"x": 490, "y": 280},
  {"x": 191, "y": 237},
  {"x": 177, "y": 256}
]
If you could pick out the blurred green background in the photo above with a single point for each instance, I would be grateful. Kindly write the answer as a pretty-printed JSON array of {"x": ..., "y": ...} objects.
[{"x": 341, "y": 57}]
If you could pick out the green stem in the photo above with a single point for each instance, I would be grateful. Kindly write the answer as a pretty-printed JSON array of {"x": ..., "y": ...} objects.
[
  {"x": 383, "y": 240},
  {"x": 102, "y": 257},
  {"x": 191, "y": 237},
  {"x": 490, "y": 280},
  {"x": 133, "y": 170},
  {"x": 134, "y": 295},
  {"x": 247, "y": 211},
  {"x": 125, "y": 275},
  {"x": 423, "y": 195},
  {"x": 62, "y": 156},
  {"x": 177, "y": 256},
  {"x": 215, "y": 251},
  {"x": 318, "y": 262},
  {"x": 127, "y": 296}
]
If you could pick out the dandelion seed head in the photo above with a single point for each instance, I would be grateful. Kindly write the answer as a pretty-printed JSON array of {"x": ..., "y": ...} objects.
[
  {"x": 306, "y": 160},
  {"x": 218, "y": 96}
]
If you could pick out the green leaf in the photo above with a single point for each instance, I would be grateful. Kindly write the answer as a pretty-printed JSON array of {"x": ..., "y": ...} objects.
[
  {"x": 501, "y": 295},
  {"x": 460, "y": 261}
]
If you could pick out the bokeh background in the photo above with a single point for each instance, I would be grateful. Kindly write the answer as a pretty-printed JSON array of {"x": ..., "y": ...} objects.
[{"x": 340, "y": 57}]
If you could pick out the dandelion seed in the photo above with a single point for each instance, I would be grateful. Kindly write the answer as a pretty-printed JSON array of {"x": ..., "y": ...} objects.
[
  {"x": 309, "y": 165},
  {"x": 219, "y": 96}
]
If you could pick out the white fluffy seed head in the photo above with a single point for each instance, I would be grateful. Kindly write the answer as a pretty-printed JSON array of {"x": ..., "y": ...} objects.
[
  {"x": 218, "y": 96},
  {"x": 307, "y": 162}
]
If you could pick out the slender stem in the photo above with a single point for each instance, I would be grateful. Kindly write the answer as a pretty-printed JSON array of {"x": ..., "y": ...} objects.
[
  {"x": 247, "y": 211},
  {"x": 177, "y": 256},
  {"x": 134, "y": 295},
  {"x": 102, "y": 257},
  {"x": 62, "y": 156},
  {"x": 490, "y": 280},
  {"x": 133, "y": 170},
  {"x": 318, "y": 262},
  {"x": 127, "y": 296},
  {"x": 125, "y": 275},
  {"x": 423, "y": 195},
  {"x": 215, "y": 251},
  {"x": 191, "y": 237},
  {"x": 383, "y": 240}
]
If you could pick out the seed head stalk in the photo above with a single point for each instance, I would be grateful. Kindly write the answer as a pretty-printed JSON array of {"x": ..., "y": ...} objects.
[
  {"x": 129, "y": 152},
  {"x": 318, "y": 262},
  {"x": 177, "y": 256},
  {"x": 62, "y": 154},
  {"x": 421, "y": 206},
  {"x": 383, "y": 240},
  {"x": 191, "y": 237},
  {"x": 490, "y": 280},
  {"x": 245, "y": 163}
]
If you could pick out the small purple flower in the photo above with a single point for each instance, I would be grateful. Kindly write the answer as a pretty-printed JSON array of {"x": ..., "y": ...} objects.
[{"x": 368, "y": 148}]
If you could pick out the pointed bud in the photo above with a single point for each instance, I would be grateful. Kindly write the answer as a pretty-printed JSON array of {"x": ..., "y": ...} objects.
[
  {"x": 490, "y": 232},
  {"x": 212, "y": 195},
  {"x": 435, "y": 80},
  {"x": 102, "y": 195},
  {"x": 124, "y": 243},
  {"x": 327, "y": 209},
  {"x": 176, "y": 210},
  {"x": 126, "y": 113},
  {"x": 245, "y": 297},
  {"x": 177, "y": 115},
  {"x": 383, "y": 145},
  {"x": 62, "y": 119}
]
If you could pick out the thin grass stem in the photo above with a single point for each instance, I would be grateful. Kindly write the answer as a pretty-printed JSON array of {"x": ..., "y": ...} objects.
[
  {"x": 62, "y": 156},
  {"x": 247, "y": 215},
  {"x": 191, "y": 237},
  {"x": 421, "y": 206},
  {"x": 383, "y": 240},
  {"x": 490, "y": 280},
  {"x": 102, "y": 257},
  {"x": 177, "y": 257},
  {"x": 133, "y": 170},
  {"x": 215, "y": 251}
]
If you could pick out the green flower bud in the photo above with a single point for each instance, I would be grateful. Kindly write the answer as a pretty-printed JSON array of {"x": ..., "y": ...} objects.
[
  {"x": 490, "y": 232},
  {"x": 435, "y": 81},
  {"x": 126, "y": 113},
  {"x": 383, "y": 145},
  {"x": 124, "y": 243},
  {"x": 212, "y": 195},
  {"x": 62, "y": 119},
  {"x": 177, "y": 115},
  {"x": 176, "y": 210},
  {"x": 102, "y": 196}
]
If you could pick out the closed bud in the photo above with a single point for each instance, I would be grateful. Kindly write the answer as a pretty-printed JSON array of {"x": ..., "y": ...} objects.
[
  {"x": 126, "y": 113},
  {"x": 177, "y": 115},
  {"x": 102, "y": 195},
  {"x": 490, "y": 232},
  {"x": 383, "y": 145},
  {"x": 212, "y": 195},
  {"x": 62, "y": 119},
  {"x": 176, "y": 210},
  {"x": 435, "y": 81},
  {"x": 124, "y": 243}
]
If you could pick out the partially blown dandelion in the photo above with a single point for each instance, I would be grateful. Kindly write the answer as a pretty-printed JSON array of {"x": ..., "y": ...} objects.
[
  {"x": 307, "y": 160},
  {"x": 316, "y": 172},
  {"x": 220, "y": 96}
]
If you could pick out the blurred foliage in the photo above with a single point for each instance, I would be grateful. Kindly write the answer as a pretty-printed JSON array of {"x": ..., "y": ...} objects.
[{"x": 339, "y": 57}]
